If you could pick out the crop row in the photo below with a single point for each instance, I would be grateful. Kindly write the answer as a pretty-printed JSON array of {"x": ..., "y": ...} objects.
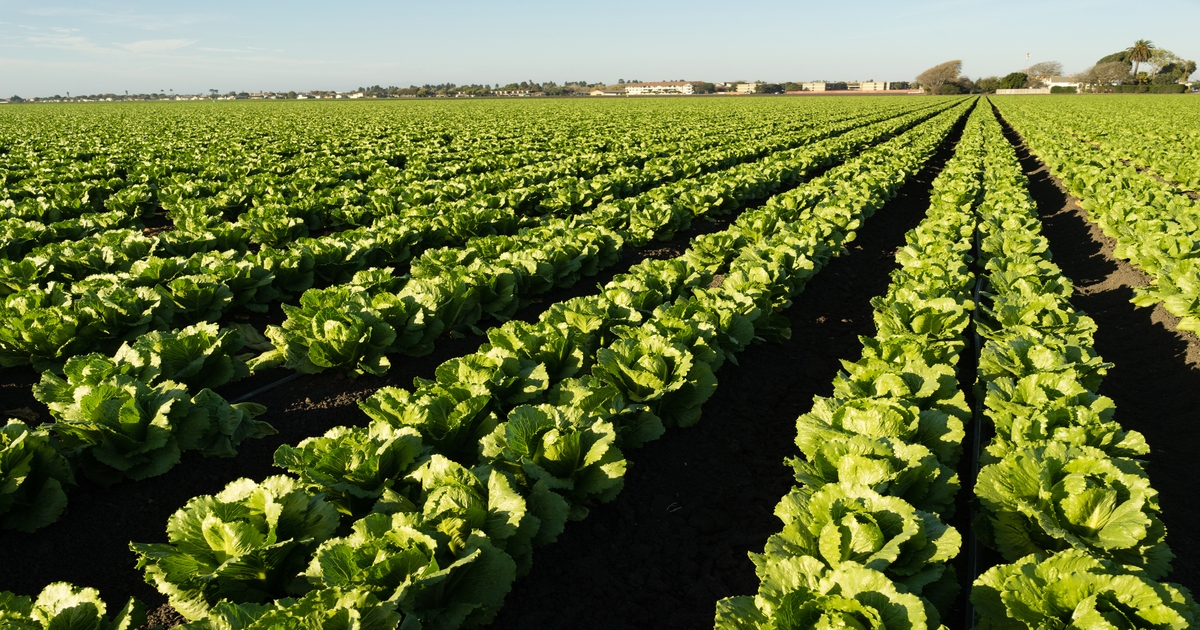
[
  {"x": 323, "y": 196},
  {"x": 135, "y": 291},
  {"x": 865, "y": 542},
  {"x": 554, "y": 457},
  {"x": 322, "y": 191},
  {"x": 1064, "y": 497},
  {"x": 215, "y": 143},
  {"x": 271, "y": 215},
  {"x": 326, "y": 191},
  {"x": 1061, "y": 496},
  {"x": 305, "y": 340}
]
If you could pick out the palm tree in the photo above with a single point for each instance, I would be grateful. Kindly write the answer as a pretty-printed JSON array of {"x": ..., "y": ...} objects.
[{"x": 1140, "y": 51}]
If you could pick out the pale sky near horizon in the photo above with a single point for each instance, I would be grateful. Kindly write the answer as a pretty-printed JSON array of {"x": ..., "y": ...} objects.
[{"x": 52, "y": 47}]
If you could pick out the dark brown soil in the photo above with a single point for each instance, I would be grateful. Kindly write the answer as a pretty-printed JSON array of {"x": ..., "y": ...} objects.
[
  {"x": 164, "y": 616},
  {"x": 698, "y": 499},
  {"x": 1155, "y": 380}
]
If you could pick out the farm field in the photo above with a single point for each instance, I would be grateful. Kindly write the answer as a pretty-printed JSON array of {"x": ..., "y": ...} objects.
[{"x": 890, "y": 362}]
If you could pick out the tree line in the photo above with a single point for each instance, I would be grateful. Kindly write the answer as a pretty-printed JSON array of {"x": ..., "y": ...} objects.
[{"x": 1142, "y": 66}]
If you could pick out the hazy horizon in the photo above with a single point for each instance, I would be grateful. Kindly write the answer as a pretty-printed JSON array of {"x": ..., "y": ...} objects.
[{"x": 101, "y": 47}]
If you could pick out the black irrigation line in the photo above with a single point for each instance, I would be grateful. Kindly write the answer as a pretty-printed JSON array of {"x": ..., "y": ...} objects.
[
  {"x": 972, "y": 543},
  {"x": 266, "y": 388}
]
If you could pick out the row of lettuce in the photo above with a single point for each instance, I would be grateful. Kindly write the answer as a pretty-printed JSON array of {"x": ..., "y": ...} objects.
[
  {"x": 131, "y": 414},
  {"x": 66, "y": 172},
  {"x": 1061, "y": 496},
  {"x": 424, "y": 517},
  {"x": 422, "y": 224},
  {"x": 1065, "y": 498},
  {"x": 865, "y": 542},
  {"x": 97, "y": 291},
  {"x": 497, "y": 271},
  {"x": 1154, "y": 223}
]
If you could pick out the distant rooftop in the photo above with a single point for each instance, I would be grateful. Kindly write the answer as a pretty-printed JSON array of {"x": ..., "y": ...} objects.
[{"x": 664, "y": 83}]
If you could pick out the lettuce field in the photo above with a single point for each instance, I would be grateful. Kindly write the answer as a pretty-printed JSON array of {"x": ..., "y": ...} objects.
[{"x": 748, "y": 363}]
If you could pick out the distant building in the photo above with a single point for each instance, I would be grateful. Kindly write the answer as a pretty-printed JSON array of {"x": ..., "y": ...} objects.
[
  {"x": 356, "y": 95},
  {"x": 874, "y": 86},
  {"x": 511, "y": 92},
  {"x": 747, "y": 88},
  {"x": 813, "y": 86},
  {"x": 660, "y": 87},
  {"x": 1054, "y": 82},
  {"x": 1004, "y": 91},
  {"x": 607, "y": 93}
]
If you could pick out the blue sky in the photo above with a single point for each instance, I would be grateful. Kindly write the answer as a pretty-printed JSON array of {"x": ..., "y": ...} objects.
[{"x": 51, "y": 47}]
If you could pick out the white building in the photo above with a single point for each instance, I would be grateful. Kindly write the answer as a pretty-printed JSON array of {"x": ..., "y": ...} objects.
[
  {"x": 1025, "y": 91},
  {"x": 1054, "y": 82},
  {"x": 660, "y": 87},
  {"x": 356, "y": 95},
  {"x": 873, "y": 86},
  {"x": 813, "y": 86},
  {"x": 747, "y": 88}
]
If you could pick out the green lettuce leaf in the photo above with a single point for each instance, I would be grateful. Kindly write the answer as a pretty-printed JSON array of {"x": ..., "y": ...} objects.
[
  {"x": 801, "y": 592},
  {"x": 62, "y": 606},
  {"x": 353, "y": 466},
  {"x": 1072, "y": 589},
  {"x": 33, "y": 477},
  {"x": 246, "y": 544},
  {"x": 1058, "y": 497},
  {"x": 848, "y": 523}
]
